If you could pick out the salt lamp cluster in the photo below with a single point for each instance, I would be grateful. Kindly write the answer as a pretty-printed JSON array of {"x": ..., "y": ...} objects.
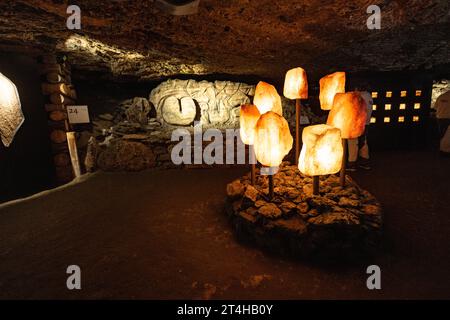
[
  {"x": 330, "y": 85},
  {"x": 349, "y": 114},
  {"x": 322, "y": 150},
  {"x": 267, "y": 99},
  {"x": 263, "y": 125},
  {"x": 273, "y": 140}
]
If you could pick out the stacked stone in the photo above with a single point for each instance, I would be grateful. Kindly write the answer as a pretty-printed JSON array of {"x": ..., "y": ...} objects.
[{"x": 339, "y": 222}]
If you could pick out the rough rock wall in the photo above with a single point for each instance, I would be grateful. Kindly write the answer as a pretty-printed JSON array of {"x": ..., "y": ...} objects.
[
  {"x": 242, "y": 37},
  {"x": 439, "y": 87}
]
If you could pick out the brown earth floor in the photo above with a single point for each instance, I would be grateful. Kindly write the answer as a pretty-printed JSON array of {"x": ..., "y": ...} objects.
[{"x": 163, "y": 234}]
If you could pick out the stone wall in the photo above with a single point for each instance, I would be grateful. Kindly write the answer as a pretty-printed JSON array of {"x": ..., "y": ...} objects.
[
  {"x": 439, "y": 87},
  {"x": 214, "y": 104},
  {"x": 136, "y": 134}
]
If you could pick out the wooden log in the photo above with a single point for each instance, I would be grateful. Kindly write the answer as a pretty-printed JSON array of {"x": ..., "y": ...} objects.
[
  {"x": 49, "y": 59},
  {"x": 55, "y": 107},
  {"x": 58, "y": 136},
  {"x": 57, "y": 98},
  {"x": 61, "y": 159},
  {"x": 54, "y": 68},
  {"x": 50, "y": 68},
  {"x": 58, "y": 115},
  {"x": 64, "y": 174},
  {"x": 57, "y": 125},
  {"x": 53, "y": 58},
  {"x": 54, "y": 77},
  {"x": 59, "y": 148},
  {"x": 62, "y": 88}
]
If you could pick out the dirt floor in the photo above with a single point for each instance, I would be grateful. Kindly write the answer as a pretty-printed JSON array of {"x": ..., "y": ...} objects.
[{"x": 163, "y": 234}]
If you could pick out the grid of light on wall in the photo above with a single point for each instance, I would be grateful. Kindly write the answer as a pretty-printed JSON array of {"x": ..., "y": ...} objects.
[{"x": 392, "y": 104}]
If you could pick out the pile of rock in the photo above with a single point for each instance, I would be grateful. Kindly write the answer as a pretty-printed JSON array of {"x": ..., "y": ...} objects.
[{"x": 338, "y": 223}]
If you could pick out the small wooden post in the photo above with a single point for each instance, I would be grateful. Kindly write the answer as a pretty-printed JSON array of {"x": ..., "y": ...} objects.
[
  {"x": 297, "y": 130},
  {"x": 316, "y": 185},
  {"x": 271, "y": 186},
  {"x": 251, "y": 150},
  {"x": 253, "y": 174},
  {"x": 344, "y": 164},
  {"x": 72, "y": 143}
]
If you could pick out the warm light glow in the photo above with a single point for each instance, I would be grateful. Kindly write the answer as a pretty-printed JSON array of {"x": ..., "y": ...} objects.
[
  {"x": 374, "y": 107},
  {"x": 349, "y": 114},
  {"x": 387, "y": 119},
  {"x": 374, "y": 94},
  {"x": 373, "y": 120},
  {"x": 296, "y": 84},
  {"x": 403, "y": 93},
  {"x": 388, "y": 94},
  {"x": 267, "y": 99},
  {"x": 8, "y": 94},
  {"x": 387, "y": 107},
  {"x": 119, "y": 58},
  {"x": 248, "y": 118},
  {"x": 402, "y": 106},
  {"x": 273, "y": 140},
  {"x": 418, "y": 93},
  {"x": 321, "y": 151},
  {"x": 11, "y": 116},
  {"x": 401, "y": 119},
  {"x": 329, "y": 86},
  {"x": 416, "y": 118},
  {"x": 416, "y": 106}
]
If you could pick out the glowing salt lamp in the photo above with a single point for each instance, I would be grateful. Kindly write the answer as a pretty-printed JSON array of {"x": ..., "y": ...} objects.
[
  {"x": 296, "y": 84},
  {"x": 329, "y": 86},
  {"x": 296, "y": 87},
  {"x": 248, "y": 118},
  {"x": 349, "y": 113},
  {"x": 321, "y": 152},
  {"x": 267, "y": 99},
  {"x": 11, "y": 115},
  {"x": 273, "y": 141}
]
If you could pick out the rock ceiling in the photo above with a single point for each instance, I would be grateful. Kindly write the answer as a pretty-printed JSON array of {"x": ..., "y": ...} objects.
[{"x": 132, "y": 38}]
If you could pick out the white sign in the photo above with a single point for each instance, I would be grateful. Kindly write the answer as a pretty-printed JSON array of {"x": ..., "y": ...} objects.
[{"x": 78, "y": 114}]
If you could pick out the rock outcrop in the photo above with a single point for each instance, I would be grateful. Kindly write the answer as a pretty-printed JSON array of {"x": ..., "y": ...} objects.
[
  {"x": 339, "y": 223},
  {"x": 134, "y": 39},
  {"x": 181, "y": 102}
]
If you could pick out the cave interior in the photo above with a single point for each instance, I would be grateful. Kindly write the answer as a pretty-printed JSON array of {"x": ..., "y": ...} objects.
[{"x": 147, "y": 68}]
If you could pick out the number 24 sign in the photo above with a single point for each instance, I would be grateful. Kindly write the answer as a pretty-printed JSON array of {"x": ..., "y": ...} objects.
[{"x": 78, "y": 114}]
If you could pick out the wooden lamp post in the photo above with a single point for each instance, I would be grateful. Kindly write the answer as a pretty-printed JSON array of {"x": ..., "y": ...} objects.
[
  {"x": 296, "y": 87},
  {"x": 248, "y": 118},
  {"x": 321, "y": 152},
  {"x": 273, "y": 141},
  {"x": 348, "y": 114}
]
